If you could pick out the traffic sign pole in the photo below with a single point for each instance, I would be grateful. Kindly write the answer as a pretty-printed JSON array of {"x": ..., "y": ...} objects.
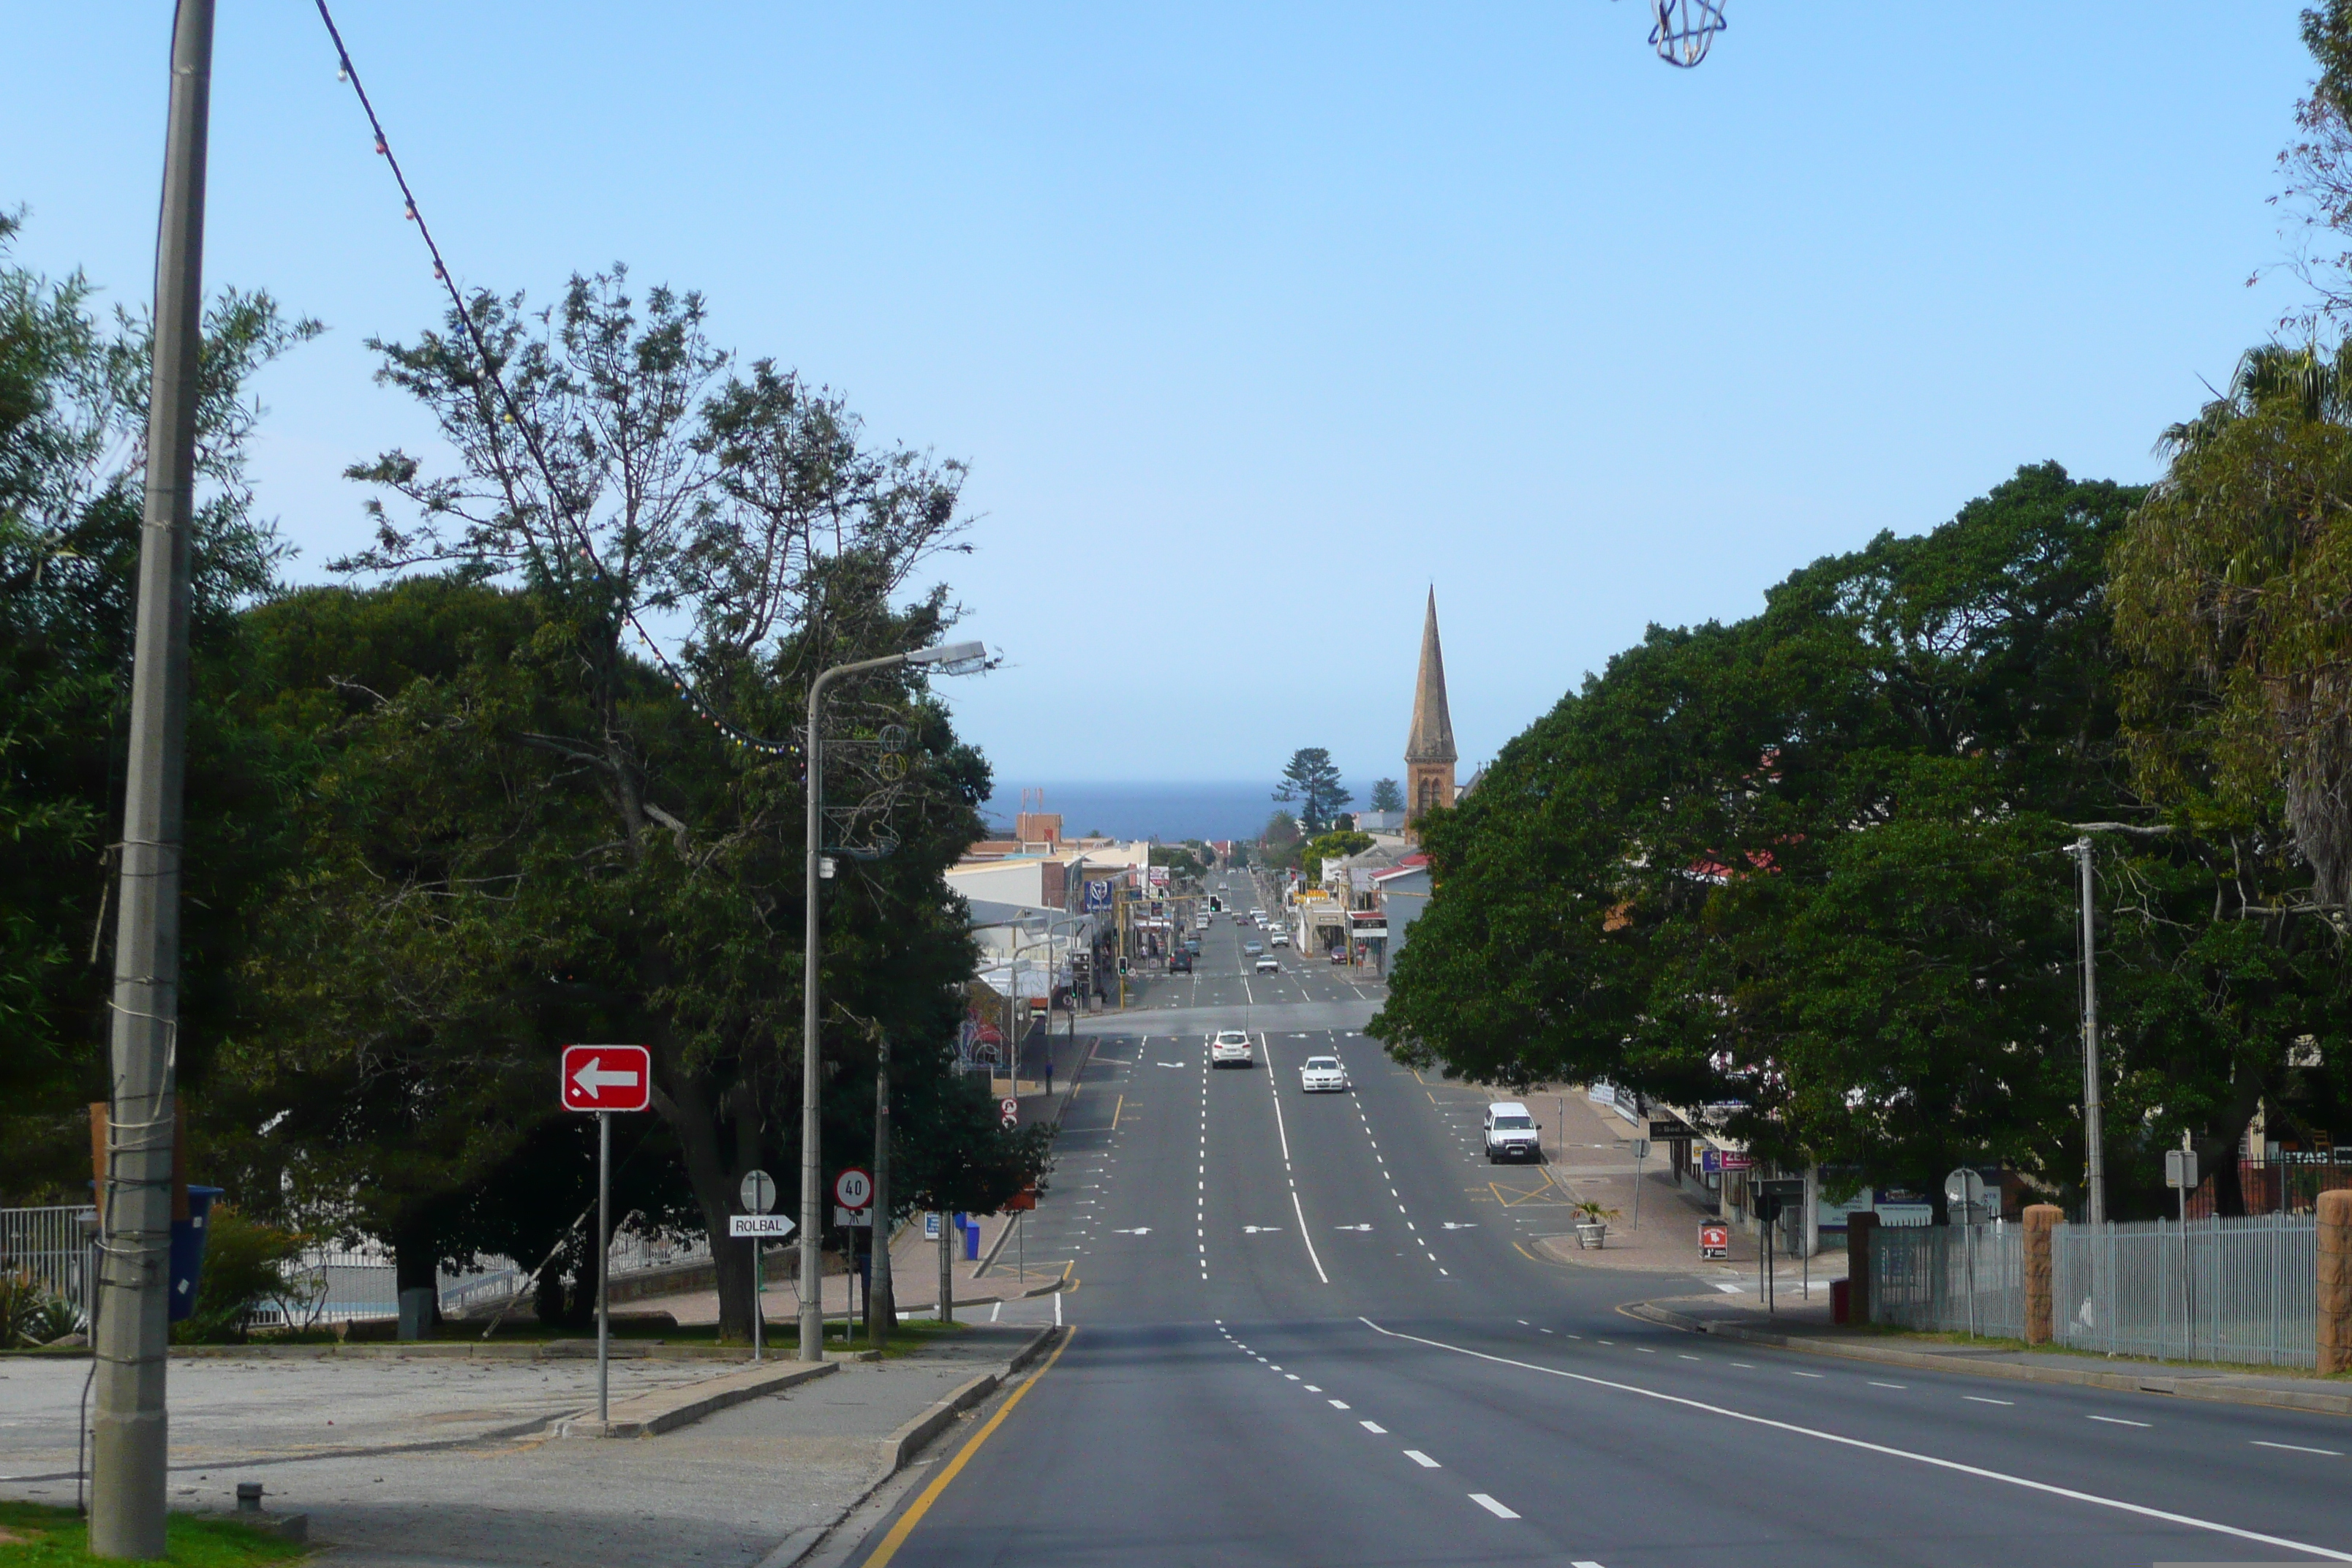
[{"x": 603, "y": 1259}]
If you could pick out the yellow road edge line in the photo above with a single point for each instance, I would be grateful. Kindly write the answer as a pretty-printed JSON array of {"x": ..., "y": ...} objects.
[
  {"x": 930, "y": 1494},
  {"x": 1115, "y": 1110}
]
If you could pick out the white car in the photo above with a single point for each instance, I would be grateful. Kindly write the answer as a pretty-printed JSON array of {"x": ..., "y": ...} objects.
[
  {"x": 1323, "y": 1075},
  {"x": 1231, "y": 1048},
  {"x": 1280, "y": 938},
  {"x": 1512, "y": 1134},
  {"x": 1268, "y": 964}
]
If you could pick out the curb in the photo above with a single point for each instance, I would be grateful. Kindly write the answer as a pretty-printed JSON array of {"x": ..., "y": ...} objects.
[
  {"x": 908, "y": 1441},
  {"x": 456, "y": 1350},
  {"x": 668, "y": 1409},
  {"x": 2209, "y": 1389}
]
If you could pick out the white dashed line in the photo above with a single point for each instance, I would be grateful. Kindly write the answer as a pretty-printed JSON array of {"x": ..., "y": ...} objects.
[
  {"x": 2110, "y": 1420},
  {"x": 2299, "y": 1448},
  {"x": 1491, "y": 1506},
  {"x": 1424, "y": 1460},
  {"x": 1980, "y": 1399},
  {"x": 1374, "y": 1427}
]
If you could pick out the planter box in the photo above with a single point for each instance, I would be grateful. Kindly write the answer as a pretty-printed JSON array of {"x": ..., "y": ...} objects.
[{"x": 1590, "y": 1236}]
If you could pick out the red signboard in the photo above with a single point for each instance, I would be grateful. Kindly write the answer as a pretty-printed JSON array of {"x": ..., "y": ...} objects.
[
  {"x": 1713, "y": 1241},
  {"x": 607, "y": 1077}
]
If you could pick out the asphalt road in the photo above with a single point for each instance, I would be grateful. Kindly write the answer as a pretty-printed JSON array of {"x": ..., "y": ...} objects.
[{"x": 1308, "y": 1333}]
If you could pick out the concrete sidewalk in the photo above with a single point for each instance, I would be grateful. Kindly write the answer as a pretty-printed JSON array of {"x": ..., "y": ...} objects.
[
  {"x": 440, "y": 1487},
  {"x": 1808, "y": 1329}
]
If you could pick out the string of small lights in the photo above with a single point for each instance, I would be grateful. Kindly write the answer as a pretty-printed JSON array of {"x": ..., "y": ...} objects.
[{"x": 348, "y": 72}]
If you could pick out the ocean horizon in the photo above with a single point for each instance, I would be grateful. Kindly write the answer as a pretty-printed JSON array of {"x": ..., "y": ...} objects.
[{"x": 1168, "y": 812}]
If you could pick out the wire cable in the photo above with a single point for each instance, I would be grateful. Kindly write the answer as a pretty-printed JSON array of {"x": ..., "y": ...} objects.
[{"x": 497, "y": 386}]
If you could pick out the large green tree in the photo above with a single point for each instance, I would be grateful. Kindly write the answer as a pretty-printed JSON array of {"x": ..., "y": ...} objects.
[
  {"x": 73, "y": 391},
  {"x": 1311, "y": 780}
]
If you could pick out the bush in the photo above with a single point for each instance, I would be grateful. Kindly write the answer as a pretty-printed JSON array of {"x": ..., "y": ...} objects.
[
  {"x": 29, "y": 1314},
  {"x": 247, "y": 1266}
]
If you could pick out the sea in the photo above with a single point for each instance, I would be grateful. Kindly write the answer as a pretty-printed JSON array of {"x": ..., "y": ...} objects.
[{"x": 1170, "y": 813}]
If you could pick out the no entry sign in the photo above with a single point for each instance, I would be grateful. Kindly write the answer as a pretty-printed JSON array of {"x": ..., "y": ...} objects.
[{"x": 607, "y": 1077}]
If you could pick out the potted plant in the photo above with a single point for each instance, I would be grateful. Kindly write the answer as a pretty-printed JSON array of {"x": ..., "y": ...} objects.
[{"x": 1593, "y": 1223}]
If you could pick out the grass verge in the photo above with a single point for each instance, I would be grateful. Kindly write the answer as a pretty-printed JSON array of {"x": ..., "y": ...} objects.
[{"x": 34, "y": 1535}]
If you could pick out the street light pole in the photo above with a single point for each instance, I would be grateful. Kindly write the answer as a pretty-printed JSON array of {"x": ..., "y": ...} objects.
[
  {"x": 812, "y": 1321},
  {"x": 131, "y": 1430}
]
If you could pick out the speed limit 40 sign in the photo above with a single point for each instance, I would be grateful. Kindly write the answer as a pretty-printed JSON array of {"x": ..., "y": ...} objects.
[{"x": 852, "y": 1189}]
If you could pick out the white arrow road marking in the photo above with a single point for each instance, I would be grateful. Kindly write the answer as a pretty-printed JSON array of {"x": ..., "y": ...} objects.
[
  {"x": 1352, "y": 1228},
  {"x": 1934, "y": 1461},
  {"x": 1451, "y": 1224},
  {"x": 1139, "y": 1230},
  {"x": 591, "y": 1078}
]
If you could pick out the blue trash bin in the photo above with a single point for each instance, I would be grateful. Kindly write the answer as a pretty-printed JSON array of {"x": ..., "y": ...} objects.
[
  {"x": 188, "y": 1250},
  {"x": 971, "y": 1240}
]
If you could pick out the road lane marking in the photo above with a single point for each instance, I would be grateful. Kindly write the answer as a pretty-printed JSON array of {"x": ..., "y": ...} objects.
[
  {"x": 2110, "y": 1420},
  {"x": 1491, "y": 1506},
  {"x": 1974, "y": 1398},
  {"x": 1424, "y": 1460},
  {"x": 2298, "y": 1448},
  {"x": 930, "y": 1494},
  {"x": 1874, "y": 1383},
  {"x": 1932, "y": 1460},
  {"x": 1374, "y": 1427},
  {"x": 1312, "y": 1389},
  {"x": 1794, "y": 1373},
  {"x": 1338, "y": 1405}
]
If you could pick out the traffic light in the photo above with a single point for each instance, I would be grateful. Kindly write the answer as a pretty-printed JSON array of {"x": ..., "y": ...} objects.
[{"x": 1122, "y": 964}]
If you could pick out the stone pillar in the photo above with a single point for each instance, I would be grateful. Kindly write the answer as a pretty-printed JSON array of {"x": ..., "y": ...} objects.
[
  {"x": 1859, "y": 1228},
  {"x": 2334, "y": 1281},
  {"x": 2040, "y": 1220}
]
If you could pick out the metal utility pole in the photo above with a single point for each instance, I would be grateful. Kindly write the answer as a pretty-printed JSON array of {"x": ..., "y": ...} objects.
[
  {"x": 881, "y": 1302},
  {"x": 131, "y": 1428},
  {"x": 812, "y": 1193},
  {"x": 2095, "y": 1179}
]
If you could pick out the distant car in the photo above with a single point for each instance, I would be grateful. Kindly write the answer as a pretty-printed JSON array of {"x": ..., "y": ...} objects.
[
  {"x": 1269, "y": 964},
  {"x": 1253, "y": 945},
  {"x": 1280, "y": 938},
  {"x": 1324, "y": 1075},
  {"x": 1339, "y": 955},
  {"x": 1179, "y": 963},
  {"x": 1231, "y": 1048},
  {"x": 1191, "y": 944}
]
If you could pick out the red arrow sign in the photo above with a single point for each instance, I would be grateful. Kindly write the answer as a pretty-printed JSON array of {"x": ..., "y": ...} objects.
[{"x": 607, "y": 1077}]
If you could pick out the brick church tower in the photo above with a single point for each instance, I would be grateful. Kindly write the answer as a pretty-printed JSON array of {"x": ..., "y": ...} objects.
[{"x": 1429, "y": 754}]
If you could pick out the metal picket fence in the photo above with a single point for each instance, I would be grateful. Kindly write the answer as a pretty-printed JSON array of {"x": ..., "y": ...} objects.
[
  {"x": 2243, "y": 1290},
  {"x": 1933, "y": 1280},
  {"x": 52, "y": 1245}
]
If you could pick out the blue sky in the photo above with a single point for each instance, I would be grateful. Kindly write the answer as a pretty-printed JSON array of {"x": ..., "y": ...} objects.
[{"x": 1254, "y": 321}]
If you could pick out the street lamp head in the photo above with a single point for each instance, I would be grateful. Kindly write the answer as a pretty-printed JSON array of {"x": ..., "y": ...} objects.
[{"x": 948, "y": 653}]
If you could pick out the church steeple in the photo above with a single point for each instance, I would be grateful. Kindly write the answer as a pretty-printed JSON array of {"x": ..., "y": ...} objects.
[{"x": 1429, "y": 754}]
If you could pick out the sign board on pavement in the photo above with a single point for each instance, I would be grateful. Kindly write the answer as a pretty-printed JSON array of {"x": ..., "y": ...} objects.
[
  {"x": 607, "y": 1077},
  {"x": 854, "y": 1188},
  {"x": 759, "y": 1225},
  {"x": 1715, "y": 1240},
  {"x": 757, "y": 1192},
  {"x": 847, "y": 1218}
]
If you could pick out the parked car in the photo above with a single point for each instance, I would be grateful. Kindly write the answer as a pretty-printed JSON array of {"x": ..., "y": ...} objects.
[
  {"x": 1231, "y": 1048},
  {"x": 1512, "y": 1134},
  {"x": 1323, "y": 1075},
  {"x": 1269, "y": 964}
]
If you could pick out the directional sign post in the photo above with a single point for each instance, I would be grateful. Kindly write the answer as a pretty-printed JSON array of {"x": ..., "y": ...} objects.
[
  {"x": 759, "y": 1194},
  {"x": 604, "y": 1079}
]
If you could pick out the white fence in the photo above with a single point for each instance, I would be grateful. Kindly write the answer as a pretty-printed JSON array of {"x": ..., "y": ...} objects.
[
  {"x": 2217, "y": 1289},
  {"x": 1950, "y": 1279},
  {"x": 335, "y": 1284}
]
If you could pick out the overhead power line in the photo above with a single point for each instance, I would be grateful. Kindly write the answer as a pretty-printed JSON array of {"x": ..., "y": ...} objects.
[{"x": 684, "y": 687}]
